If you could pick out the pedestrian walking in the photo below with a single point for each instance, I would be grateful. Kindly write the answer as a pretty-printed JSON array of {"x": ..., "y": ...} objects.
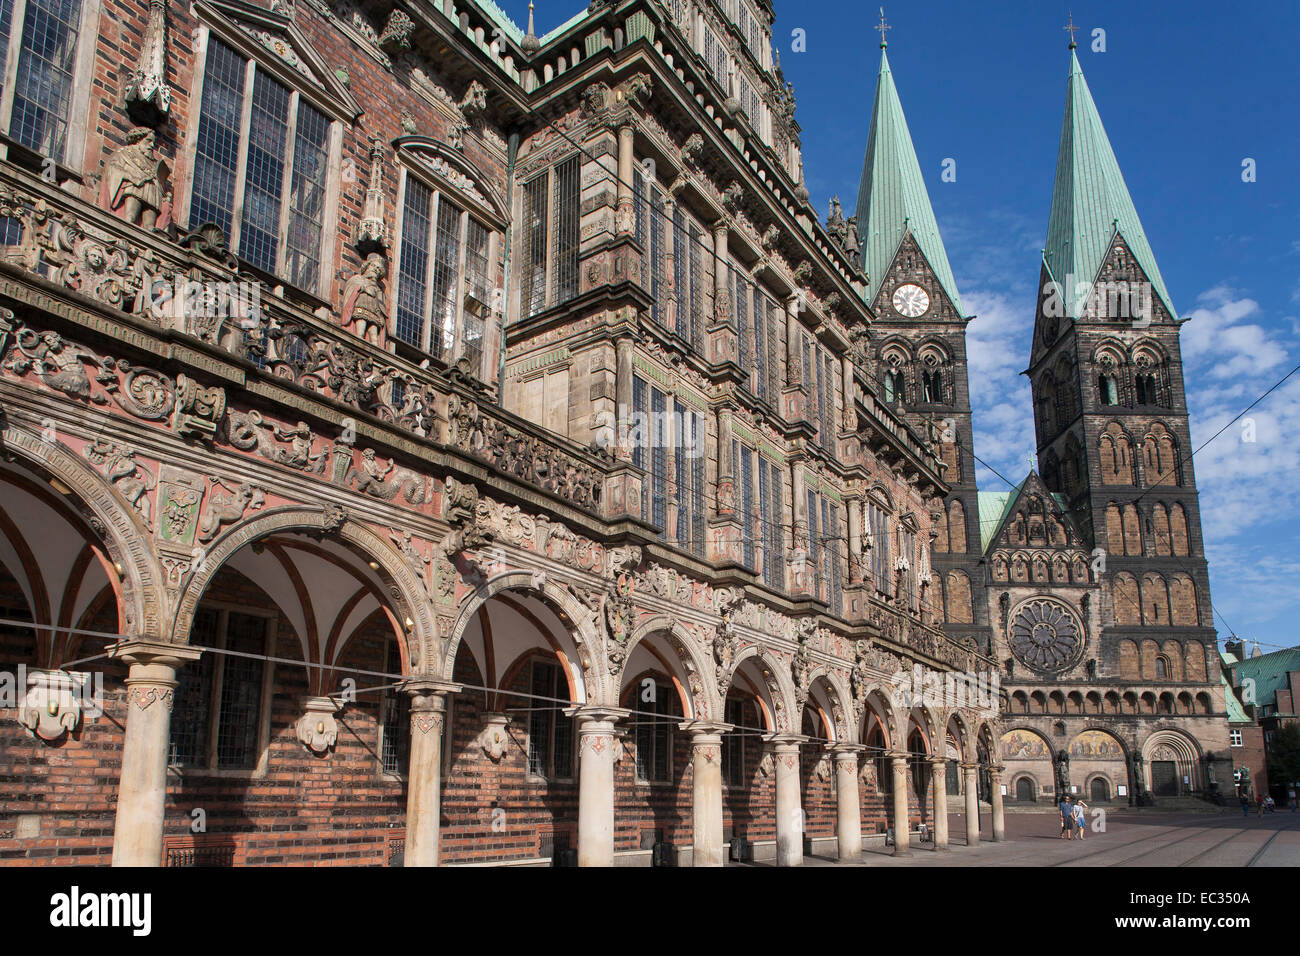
[
  {"x": 1064, "y": 807},
  {"x": 1081, "y": 818},
  {"x": 1245, "y": 804},
  {"x": 1259, "y": 804},
  {"x": 1290, "y": 795}
]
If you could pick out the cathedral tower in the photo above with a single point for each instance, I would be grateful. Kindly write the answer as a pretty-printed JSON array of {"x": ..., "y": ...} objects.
[
  {"x": 919, "y": 347},
  {"x": 1099, "y": 590}
]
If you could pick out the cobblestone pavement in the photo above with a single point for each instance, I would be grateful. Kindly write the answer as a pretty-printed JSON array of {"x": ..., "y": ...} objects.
[{"x": 1128, "y": 838}]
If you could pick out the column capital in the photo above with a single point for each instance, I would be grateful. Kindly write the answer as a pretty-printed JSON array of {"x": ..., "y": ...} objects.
[
  {"x": 596, "y": 713},
  {"x": 969, "y": 767},
  {"x": 705, "y": 728},
  {"x": 996, "y": 770},
  {"x": 419, "y": 687},
  {"x": 784, "y": 743},
  {"x": 935, "y": 761},
  {"x": 845, "y": 749},
  {"x": 141, "y": 651}
]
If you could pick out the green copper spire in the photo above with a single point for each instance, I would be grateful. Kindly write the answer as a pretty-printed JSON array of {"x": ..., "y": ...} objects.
[
  {"x": 892, "y": 196},
  {"x": 1090, "y": 202}
]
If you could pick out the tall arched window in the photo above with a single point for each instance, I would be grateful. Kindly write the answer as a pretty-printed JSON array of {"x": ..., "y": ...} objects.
[
  {"x": 1162, "y": 668},
  {"x": 1107, "y": 390},
  {"x": 893, "y": 386},
  {"x": 1146, "y": 390},
  {"x": 931, "y": 382}
]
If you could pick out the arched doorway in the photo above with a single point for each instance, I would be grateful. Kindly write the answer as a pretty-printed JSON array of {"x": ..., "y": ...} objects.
[
  {"x": 1026, "y": 791},
  {"x": 1099, "y": 790}
]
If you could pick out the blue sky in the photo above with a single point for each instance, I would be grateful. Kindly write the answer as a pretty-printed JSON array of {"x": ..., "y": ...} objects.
[{"x": 1187, "y": 91}]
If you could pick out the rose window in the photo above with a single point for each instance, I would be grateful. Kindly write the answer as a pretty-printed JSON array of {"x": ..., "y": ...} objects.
[{"x": 1045, "y": 635}]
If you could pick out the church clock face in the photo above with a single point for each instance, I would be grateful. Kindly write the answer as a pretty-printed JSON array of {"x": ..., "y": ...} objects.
[
  {"x": 1045, "y": 635},
  {"x": 911, "y": 300}
]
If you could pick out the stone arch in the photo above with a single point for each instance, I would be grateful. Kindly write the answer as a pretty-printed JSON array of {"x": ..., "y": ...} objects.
[
  {"x": 1160, "y": 457},
  {"x": 420, "y": 647},
  {"x": 879, "y": 712},
  {"x": 585, "y": 685},
  {"x": 1178, "y": 528},
  {"x": 139, "y": 581},
  {"x": 958, "y": 727},
  {"x": 1183, "y": 750},
  {"x": 1182, "y": 602},
  {"x": 1126, "y": 601},
  {"x": 957, "y": 526},
  {"x": 958, "y": 599},
  {"x": 1116, "y": 455},
  {"x": 774, "y": 690},
  {"x": 1155, "y": 600},
  {"x": 1195, "y": 661},
  {"x": 837, "y": 698},
  {"x": 688, "y": 669},
  {"x": 1160, "y": 538}
]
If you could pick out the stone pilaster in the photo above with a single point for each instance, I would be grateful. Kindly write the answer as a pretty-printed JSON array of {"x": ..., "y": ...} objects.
[
  {"x": 848, "y": 807},
  {"x": 898, "y": 767},
  {"x": 789, "y": 808},
  {"x": 706, "y": 791},
  {"x": 423, "y": 783},
  {"x": 995, "y": 795},
  {"x": 939, "y": 781},
  {"x": 142, "y": 785},
  {"x": 968, "y": 771},
  {"x": 596, "y": 784}
]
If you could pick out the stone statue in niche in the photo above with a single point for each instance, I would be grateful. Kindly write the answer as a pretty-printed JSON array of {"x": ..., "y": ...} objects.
[
  {"x": 135, "y": 181},
  {"x": 363, "y": 299}
]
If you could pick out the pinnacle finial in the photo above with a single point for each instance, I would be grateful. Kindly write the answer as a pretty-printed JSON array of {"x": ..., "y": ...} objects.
[
  {"x": 882, "y": 28},
  {"x": 1071, "y": 29},
  {"x": 531, "y": 44}
]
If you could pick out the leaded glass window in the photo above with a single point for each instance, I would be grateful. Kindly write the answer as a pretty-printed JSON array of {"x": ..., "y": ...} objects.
[
  {"x": 443, "y": 277},
  {"x": 276, "y": 194},
  {"x": 45, "y": 52}
]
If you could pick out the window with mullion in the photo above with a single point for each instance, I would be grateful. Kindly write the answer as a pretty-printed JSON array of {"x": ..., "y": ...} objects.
[
  {"x": 217, "y": 717},
  {"x": 43, "y": 80},
  {"x": 277, "y": 195},
  {"x": 773, "y": 533},
  {"x": 654, "y": 734},
  {"x": 833, "y": 549},
  {"x": 550, "y": 731},
  {"x": 690, "y": 480},
  {"x": 743, "y": 459},
  {"x": 268, "y": 132},
  {"x": 878, "y": 523},
  {"x": 443, "y": 274},
  {"x": 814, "y": 539},
  {"x": 216, "y": 150},
  {"x": 658, "y": 229},
  {"x": 733, "y": 744},
  {"x": 697, "y": 287}
]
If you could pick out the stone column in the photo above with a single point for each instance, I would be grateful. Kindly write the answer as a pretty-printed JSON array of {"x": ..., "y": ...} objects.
[
  {"x": 848, "y": 807},
  {"x": 623, "y": 381},
  {"x": 423, "y": 779},
  {"x": 995, "y": 794},
  {"x": 721, "y": 270},
  {"x": 789, "y": 809},
  {"x": 596, "y": 785},
  {"x": 706, "y": 795},
  {"x": 972, "y": 804},
  {"x": 793, "y": 353},
  {"x": 626, "y": 172},
  {"x": 939, "y": 781},
  {"x": 902, "y": 841},
  {"x": 142, "y": 782}
]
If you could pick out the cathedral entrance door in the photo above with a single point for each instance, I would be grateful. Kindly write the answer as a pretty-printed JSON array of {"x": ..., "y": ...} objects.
[{"x": 1164, "y": 778}]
